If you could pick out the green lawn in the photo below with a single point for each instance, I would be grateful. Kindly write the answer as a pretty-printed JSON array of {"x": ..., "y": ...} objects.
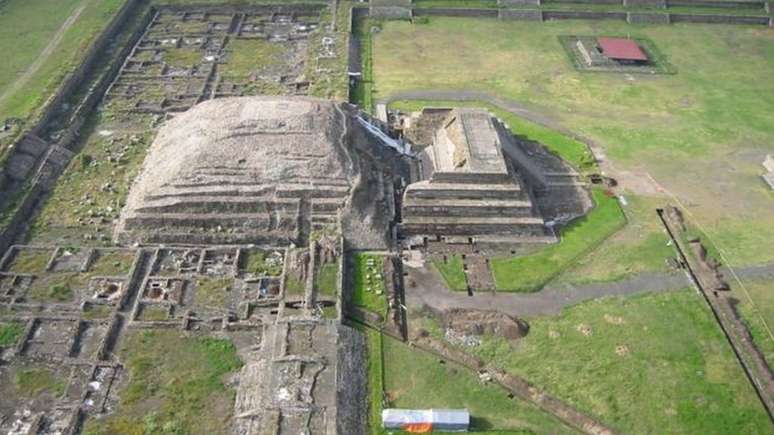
[
  {"x": 453, "y": 272},
  {"x": 531, "y": 272},
  {"x": 26, "y": 27},
  {"x": 641, "y": 246},
  {"x": 416, "y": 380},
  {"x": 700, "y": 133},
  {"x": 369, "y": 293},
  {"x": 183, "y": 392},
  {"x": 647, "y": 364}
]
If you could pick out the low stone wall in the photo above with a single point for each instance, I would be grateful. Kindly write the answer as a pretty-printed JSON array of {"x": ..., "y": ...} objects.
[
  {"x": 647, "y": 18},
  {"x": 506, "y": 3},
  {"x": 718, "y": 19},
  {"x": 715, "y": 4},
  {"x": 646, "y": 3},
  {"x": 455, "y": 12},
  {"x": 521, "y": 15},
  {"x": 583, "y": 15},
  {"x": 391, "y": 12}
]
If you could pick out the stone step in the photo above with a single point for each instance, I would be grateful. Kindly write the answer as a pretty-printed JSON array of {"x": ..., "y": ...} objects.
[
  {"x": 243, "y": 204},
  {"x": 466, "y": 207},
  {"x": 205, "y": 220},
  {"x": 483, "y": 220},
  {"x": 187, "y": 236},
  {"x": 462, "y": 191}
]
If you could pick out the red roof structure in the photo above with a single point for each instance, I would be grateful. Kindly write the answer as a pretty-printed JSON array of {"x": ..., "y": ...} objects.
[{"x": 621, "y": 49}]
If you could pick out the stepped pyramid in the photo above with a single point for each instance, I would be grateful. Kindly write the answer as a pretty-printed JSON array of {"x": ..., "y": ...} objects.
[{"x": 469, "y": 191}]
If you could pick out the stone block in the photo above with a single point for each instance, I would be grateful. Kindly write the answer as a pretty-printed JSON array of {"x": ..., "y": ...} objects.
[{"x": 20, "y": 165}]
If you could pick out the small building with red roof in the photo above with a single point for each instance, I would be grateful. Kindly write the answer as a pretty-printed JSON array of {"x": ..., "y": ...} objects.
[{"x": 622, "y": 50}]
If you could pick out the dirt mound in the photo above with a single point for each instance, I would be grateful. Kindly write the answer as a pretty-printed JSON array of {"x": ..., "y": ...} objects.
[{"x": 467, "y": 322}]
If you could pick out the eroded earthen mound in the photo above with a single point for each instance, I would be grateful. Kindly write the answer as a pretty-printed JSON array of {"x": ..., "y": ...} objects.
[
  {"x": 235, "y": 170},
  {"x": 468, "y": 322}
]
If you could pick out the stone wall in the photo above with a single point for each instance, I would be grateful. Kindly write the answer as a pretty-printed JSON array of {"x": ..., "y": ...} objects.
[
  {"x": 506, "y": 3},
  {"x": 455, "y": 12},
  {"x": 583, "y": 15},
  {"x": 647, "y": 18},
  {"x": 521, "y": 15},
  {"x": 718, "y": 19}
]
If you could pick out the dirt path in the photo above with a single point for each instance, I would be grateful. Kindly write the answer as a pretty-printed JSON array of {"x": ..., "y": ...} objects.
[
  {"x": 640, "y": 183},
  {"x": 22, "y": 80},
  {"x": 428, "y": 289}
]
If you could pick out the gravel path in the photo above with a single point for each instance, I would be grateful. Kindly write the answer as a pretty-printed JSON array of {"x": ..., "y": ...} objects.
[{"x": 429, "y": 290}]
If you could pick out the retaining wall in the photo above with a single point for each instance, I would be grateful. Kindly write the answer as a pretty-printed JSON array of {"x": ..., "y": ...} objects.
[
  {"x": 455, "y": 12},
  {"x": 647, "y": 18}
]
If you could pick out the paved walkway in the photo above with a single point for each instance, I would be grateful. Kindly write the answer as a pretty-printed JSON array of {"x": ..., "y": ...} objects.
[{"x": 429, "y": 290}]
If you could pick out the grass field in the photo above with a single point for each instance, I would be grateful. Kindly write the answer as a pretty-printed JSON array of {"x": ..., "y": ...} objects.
[
  {"x": 646, "y": 364},
  {"x": 531, "y": 272},
  {"x": 184, "y": 393},
  {"x": 701, "y": 133},
  {"x": 640, "y": 246},
  {"x": 416, "y": 380},
  {"x": 26, "y": 28}
]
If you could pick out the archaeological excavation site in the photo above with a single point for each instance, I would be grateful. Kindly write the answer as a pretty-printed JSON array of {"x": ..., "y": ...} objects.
[{"x": 287, "y": 217}]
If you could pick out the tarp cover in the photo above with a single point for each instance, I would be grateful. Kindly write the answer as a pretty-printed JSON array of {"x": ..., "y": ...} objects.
[{"x": 426, "y": 420}]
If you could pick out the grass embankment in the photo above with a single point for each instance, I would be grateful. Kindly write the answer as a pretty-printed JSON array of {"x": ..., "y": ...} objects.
[
  {"x": 531, "y": 272},
  {"x": 368, "y": 287},
  {"x": 452, "y": 271},
  {"x": 760, "y": 317},
  {"x": 621, "y": 360},
  {"x": 183, "y": 392}
]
